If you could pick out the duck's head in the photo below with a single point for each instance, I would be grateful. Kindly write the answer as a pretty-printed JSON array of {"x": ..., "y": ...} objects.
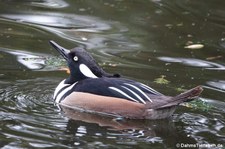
[{"x": 81, "y": 64}]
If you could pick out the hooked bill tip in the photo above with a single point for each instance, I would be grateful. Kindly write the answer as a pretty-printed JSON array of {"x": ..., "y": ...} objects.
[
  {"x": 58, "y": 47},
  {"x": 63, "y": 51},
  {"x": 54, "y": 44}
]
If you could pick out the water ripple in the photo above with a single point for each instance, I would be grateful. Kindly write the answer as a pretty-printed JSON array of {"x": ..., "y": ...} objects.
[
  {"x": 110, "y": 32},
  {"x": 193, "y": 62},
  {"x": 28, "y": 115},
  {"x": 220, "y": 84},
  {"x": 49, "y": 4},
  {"x": 66, "y": 21},
  {"x": 200, "y": 129},
  {"x": 81, "y": 29},
  {"x": 36, "y": 61}
]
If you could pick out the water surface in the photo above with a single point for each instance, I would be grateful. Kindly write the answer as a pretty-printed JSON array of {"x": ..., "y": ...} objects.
[{"x": 141, "y": 40}]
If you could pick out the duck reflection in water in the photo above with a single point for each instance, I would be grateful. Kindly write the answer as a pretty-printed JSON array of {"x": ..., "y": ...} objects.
[{"x": 82, "y": 124}]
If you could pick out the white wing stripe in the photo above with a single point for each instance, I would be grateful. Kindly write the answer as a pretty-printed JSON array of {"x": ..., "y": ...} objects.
[
  {"x": 135, "y": 94},
  {"x": 121, "y": 92},
  {"x": 139, "y": 90},
  {"x": 150, "y": 89}
]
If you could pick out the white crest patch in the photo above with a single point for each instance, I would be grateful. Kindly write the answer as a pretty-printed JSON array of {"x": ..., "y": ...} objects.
[{"x": 86, "y": 71}]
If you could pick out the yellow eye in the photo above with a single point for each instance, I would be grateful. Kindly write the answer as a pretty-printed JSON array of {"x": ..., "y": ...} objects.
[{"x": 75, "y": 58}]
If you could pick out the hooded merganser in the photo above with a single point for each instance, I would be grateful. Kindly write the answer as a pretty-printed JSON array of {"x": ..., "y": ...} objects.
[{"x": 91, "y": 89}]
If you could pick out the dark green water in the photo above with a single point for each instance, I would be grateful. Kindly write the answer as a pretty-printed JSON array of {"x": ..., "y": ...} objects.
[{"x": 141, "y": 40}]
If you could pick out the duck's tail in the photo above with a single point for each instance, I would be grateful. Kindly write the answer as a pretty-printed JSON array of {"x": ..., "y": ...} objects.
[
  {"x": 166, "y": 101},
  {"x": 164, "y": 106},
  {"x": 185, "y": 97}
]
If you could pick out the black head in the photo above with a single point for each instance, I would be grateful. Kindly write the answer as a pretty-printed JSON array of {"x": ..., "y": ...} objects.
[{"x": 81, "y": 64}]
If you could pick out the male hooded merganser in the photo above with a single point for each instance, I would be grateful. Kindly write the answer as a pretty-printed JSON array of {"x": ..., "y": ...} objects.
[{"x": 91, "y": 89}]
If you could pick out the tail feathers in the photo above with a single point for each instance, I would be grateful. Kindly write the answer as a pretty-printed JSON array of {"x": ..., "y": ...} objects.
[
  {"x": 173, "y": 101},
  {"x": 188, "y": 95},
  {"x": 185, "y": 97}
]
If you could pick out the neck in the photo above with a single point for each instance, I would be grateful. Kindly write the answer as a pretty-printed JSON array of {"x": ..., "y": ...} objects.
[{"x": 71, "y": 80}]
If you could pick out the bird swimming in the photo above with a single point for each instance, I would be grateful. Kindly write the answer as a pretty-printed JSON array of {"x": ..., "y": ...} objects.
[{"x": 89, "y": 88}]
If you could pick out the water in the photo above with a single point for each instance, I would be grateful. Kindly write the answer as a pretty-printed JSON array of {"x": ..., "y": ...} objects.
[{"x": 141, "y": 40}]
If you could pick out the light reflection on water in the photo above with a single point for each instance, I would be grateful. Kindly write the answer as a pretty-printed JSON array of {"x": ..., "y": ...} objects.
[
  {"x": 194, "y": 63},
  {"x": 139, "y": 39},
  {"x": 77, "y": 28},
  {"x": 50, "y": 4},
  {"x": 219, "y": 84},
  {"x": 54, "y": 20}
]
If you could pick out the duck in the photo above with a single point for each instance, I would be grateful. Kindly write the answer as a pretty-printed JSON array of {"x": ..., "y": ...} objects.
[{"x": 88, "y": 88}]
